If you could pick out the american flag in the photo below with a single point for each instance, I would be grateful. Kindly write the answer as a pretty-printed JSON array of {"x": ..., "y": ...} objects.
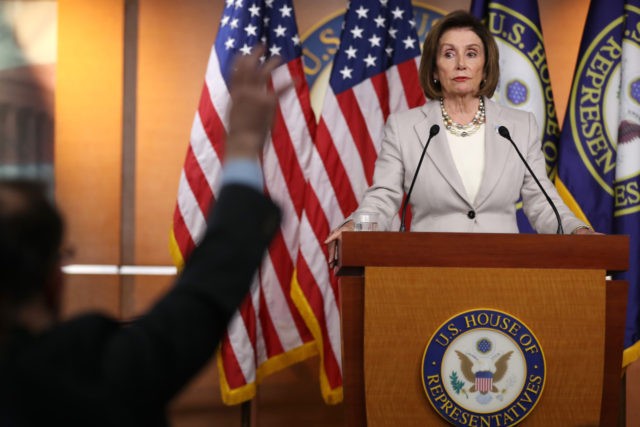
[
  {"x": 374, "y": 74},
  {"x": 267, "y": 333}
]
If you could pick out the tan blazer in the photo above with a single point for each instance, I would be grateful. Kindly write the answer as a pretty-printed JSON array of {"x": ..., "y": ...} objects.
[{"x": 439, "y": 201}]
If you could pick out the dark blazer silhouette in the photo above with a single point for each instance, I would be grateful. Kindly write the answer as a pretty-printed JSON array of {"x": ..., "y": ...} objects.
[{"x": 124, "y": 375}]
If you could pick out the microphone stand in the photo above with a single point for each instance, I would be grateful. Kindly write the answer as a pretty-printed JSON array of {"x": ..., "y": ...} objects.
[
  {"x": 504, "y": 132},
  {"x": 433, "y": 131}
]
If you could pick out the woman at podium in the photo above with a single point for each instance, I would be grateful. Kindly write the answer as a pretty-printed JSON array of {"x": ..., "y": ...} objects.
[{"x": 463, "y": 160}]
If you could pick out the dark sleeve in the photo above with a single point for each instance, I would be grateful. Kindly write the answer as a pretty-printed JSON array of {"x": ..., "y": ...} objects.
[{"x": 150, "y": 360}]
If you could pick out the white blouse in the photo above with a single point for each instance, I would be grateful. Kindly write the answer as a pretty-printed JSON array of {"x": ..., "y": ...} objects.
[{"x": 468, "y": 155}]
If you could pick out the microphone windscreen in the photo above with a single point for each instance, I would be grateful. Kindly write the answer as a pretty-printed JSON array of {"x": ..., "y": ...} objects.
[
  {"x": 434, "y": 130},
  {"x": 504, "y": 132}
]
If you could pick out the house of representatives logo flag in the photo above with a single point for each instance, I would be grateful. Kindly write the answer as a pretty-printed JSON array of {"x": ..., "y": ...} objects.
[
  {"x": 374, "y": 74},
  {"x": 626, "y": 187},
  {"x": 267, "y": 333},
  {"x": 599, "y": 160},
  {"x": 587, "y": 150},
  {"x": 524, "y": 76}
]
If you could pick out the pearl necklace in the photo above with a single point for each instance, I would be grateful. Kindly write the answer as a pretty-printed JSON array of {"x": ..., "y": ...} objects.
[{"x": 463, "y": 130}]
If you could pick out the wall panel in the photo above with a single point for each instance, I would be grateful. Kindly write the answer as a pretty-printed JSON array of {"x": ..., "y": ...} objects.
[
  {"x": 88, "y": 126},
  {"x": 175, "y": 39}
]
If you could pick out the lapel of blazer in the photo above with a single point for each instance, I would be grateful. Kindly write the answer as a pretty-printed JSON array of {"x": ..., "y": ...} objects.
[
  {"x": 438, "y": 150},
  {"x": 496, "y": 150}
]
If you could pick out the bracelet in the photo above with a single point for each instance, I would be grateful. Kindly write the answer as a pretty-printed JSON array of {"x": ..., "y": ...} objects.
[{"x": 579, "y": 227}]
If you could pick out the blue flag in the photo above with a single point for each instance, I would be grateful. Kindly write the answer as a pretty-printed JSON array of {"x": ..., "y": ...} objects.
[
  {"x": 524, "y": 75},
  {"x": 626, "y": 190},
  {"x": 599, "y": 152}
]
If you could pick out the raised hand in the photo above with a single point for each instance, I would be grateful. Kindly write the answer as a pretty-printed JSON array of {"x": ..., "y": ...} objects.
[{"x": 252, "y": 104}]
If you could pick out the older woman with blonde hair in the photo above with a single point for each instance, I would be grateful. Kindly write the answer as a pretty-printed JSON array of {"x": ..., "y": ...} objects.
[{"x": 471, "y": 177}]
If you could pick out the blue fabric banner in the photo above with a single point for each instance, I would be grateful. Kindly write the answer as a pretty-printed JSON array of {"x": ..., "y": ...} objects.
[
  {"x": 599, "y": 151},
  {"x": 524, "y": 75},
  {"x": 626, "y": 190}
]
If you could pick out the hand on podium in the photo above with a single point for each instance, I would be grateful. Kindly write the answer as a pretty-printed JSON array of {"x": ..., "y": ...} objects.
[{"x": 333, "y": 239}]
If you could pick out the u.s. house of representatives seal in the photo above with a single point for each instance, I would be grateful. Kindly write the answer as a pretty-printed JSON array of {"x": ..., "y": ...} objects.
[{"x": 483, "y": 367}]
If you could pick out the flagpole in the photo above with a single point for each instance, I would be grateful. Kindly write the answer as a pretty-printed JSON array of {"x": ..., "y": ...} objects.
[{"x": 245, "y": 414}]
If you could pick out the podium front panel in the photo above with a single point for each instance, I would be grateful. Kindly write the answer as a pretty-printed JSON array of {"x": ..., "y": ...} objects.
[{"x": 565, "y": 309}]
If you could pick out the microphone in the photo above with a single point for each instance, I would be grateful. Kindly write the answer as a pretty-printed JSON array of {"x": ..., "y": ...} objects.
[
  {"x": 504, "y": 132},
  {"x": 433, "y": 131}
]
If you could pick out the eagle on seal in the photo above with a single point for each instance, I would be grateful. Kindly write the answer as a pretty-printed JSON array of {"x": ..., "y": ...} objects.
[{"x": 483, "y": 372}]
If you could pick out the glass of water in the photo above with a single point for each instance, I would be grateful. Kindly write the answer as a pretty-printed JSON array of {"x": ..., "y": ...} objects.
[{"x": 366, "y": 221}]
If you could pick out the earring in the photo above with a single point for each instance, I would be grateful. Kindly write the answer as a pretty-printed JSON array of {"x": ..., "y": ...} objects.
[{"x": 435, "y": 81}]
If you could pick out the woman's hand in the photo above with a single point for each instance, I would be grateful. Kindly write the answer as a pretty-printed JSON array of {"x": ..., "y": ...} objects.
[
  {"x": 334, "y": 238},
  {"x": 585, "y": 230}
]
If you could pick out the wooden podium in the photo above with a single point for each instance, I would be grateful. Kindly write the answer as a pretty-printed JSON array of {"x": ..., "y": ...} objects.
[{"x": 396, "y": 289}]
